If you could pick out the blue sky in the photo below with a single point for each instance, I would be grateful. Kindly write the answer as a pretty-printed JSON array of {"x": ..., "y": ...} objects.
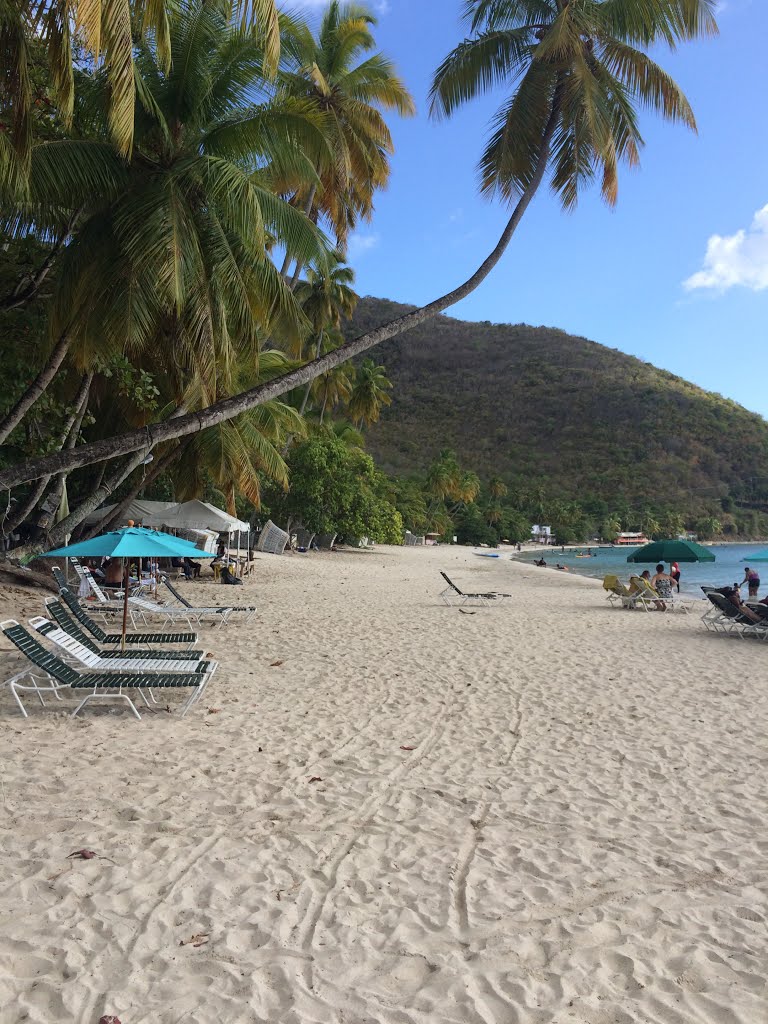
[{"x": 677, "y": 274}]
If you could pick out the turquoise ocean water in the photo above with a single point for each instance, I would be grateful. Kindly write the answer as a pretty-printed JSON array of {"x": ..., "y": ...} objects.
[{"x": 728, "y": 566}]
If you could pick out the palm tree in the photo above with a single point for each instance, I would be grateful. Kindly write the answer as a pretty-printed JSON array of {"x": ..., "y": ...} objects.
[
  {"x": 497, "y": 488},
  {"x": 444, "y": 476},
  {"x": 334, "y": 388},
  {"x": 326, "y": 297},
  {"x": 576, "y": 72},
  {"x": 333, "y": 72},
  {"x": 102, "y": 34},
  {"x": 369, "y": 394},
  {"x": 611, "y": 528},
  {"x": 172, "y": 248}
]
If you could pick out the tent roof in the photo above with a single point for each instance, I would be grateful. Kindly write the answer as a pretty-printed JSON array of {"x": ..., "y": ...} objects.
[
  {"x": 139, "y": 509},
  {"x": 197, "y": 515}
]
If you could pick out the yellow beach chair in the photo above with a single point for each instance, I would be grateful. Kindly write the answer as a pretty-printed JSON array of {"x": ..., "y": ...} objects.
[
  {"x": 618, "y": 594},
  {"x": 642, "y": 594}
]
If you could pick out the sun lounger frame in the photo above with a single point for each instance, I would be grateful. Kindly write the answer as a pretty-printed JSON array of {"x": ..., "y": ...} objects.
[
  {"x": 62, "y": 677},
  {"x": 138, "y": 639},
  {"x": 453, "y": 596},
  {"x": 222, "y": 613}
]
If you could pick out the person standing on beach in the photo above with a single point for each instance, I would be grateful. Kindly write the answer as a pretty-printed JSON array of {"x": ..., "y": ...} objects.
[
  {"x": 674, "y": 572},
  {"x": 752, "y": 579}
]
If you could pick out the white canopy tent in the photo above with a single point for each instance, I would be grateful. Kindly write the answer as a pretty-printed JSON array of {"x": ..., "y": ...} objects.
[{"x": 199, "y": 515}]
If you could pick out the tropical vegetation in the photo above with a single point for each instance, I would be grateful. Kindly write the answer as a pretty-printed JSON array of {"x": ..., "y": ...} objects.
[{"x": 178, "y": 184}]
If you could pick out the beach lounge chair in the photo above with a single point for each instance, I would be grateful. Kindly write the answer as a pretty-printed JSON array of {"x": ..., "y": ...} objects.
[
  {"x": 618, "y": 593},
  {"x": 102, "y": 685},
  {"x": 113, "y": 661},
  {"x": 452, "y": 595},
  {"x": 64, "y": 621},
  {"x": 141, "y": 607},
  {"x": 115, "y": 639},
  {"x": 642, "y": 594},
  {"x": 731, "y": 621},
  {"x": 222, "y": 612}
]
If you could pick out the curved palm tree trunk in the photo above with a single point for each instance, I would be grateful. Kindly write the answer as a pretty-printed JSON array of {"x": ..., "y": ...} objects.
[
  {"x": 68, "y": 439},
  {"x": 37, "y": 387},
  {"x": 58, "y": 535},
  {"x": 116, "y": 515},
  {"x": 228, "y": 408},
  {"x": 28, "y": 288}
]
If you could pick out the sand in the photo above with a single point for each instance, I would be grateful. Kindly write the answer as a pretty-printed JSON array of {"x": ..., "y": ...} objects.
[{"x": 577, "y": 836}]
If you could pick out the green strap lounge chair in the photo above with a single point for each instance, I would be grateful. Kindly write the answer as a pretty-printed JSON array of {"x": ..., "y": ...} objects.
[
  {"x": 221, "y": 612},
  {"x": 452, "y": 595},
  {"x": 102, "y": 685},
  {"x": 731, "y": 621},
  {"x": 113, "y": 639},
  {"x": 64, "y": 620},
  {"x": 113, "y": 661}
]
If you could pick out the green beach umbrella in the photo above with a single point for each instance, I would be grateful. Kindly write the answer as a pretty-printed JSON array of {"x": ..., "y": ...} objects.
[
  {"x": 671, "y": 551},
  {"x": 761, "y": 556}
]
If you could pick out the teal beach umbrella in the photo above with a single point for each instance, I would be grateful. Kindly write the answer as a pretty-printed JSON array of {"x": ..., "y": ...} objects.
[
  {"x": 671, "y": 551},
  {"x": 130, "y": 542},
  {"x": 761, "y": 556}
]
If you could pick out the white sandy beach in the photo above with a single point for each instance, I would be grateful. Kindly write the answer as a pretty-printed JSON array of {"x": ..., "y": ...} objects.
[{"x": 579, "y": 834}]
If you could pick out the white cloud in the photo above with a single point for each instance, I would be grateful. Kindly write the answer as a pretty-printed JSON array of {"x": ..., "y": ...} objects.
[
  {"x": 736, "y": 260},
  {"x": 360, "y": 244}
]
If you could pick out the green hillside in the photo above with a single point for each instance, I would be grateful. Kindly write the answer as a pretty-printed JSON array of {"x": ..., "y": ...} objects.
[{"x": 540, "y": 407}]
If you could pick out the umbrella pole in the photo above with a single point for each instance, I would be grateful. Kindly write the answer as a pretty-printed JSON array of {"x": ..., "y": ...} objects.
[{"x": 126, "y": 580}]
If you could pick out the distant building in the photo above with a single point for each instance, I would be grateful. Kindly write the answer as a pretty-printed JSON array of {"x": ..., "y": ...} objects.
[
  {"x": 632, "y": 538},
  {"x": 542, "y": 535}
]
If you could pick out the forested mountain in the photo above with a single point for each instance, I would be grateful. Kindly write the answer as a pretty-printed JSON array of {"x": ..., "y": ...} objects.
[{"x": 539, "y": 407}]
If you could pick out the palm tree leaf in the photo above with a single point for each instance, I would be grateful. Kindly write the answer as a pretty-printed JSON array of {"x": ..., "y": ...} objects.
[{"x": 478, "y": 65}]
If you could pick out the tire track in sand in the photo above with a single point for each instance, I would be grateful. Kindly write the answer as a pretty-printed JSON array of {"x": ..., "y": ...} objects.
[
  {"x": 88, "y": 1011},
  {"x": 311, "y": 902},
  {"x": 458, "y": 908}
]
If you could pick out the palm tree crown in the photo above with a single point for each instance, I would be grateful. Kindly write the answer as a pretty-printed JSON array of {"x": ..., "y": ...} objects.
[
  {"x": 331, "y": 71},
  {"x": 576, "y": 73},
  {"x": 172, "y": 247}
]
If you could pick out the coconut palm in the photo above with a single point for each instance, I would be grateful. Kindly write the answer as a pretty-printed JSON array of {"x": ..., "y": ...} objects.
[
  {"x": 369, "y": 394},
  {"x": 497, "y": 488},
  {"x": 100, "y": 33},
  {"x": 576, "y": 72},
  {"x": 172, "y": 247},
  {"x": 335, "y": 73},
  {"x": 334, "y": 389},
  {"x": 444, "y": 476},
  {"x": 326, "y": 297}
]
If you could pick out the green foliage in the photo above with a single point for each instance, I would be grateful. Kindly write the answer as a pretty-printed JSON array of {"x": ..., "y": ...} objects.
[
  {"x": 567, "y": 420},
  {"x": 336, "y": 489},
  {"x": 472, "y": 528}
]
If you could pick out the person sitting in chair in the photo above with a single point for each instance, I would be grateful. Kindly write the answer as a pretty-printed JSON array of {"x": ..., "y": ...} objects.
[{"x": 191, "y": 569}]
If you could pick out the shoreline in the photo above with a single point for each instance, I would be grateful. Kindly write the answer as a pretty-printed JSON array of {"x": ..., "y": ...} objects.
[{"x": 386, "y": 809}]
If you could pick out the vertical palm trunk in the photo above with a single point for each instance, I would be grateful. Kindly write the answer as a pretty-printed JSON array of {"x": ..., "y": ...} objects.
[
  {"x": 37, "y": 387},
  {"x": 287, "y": 261}
]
